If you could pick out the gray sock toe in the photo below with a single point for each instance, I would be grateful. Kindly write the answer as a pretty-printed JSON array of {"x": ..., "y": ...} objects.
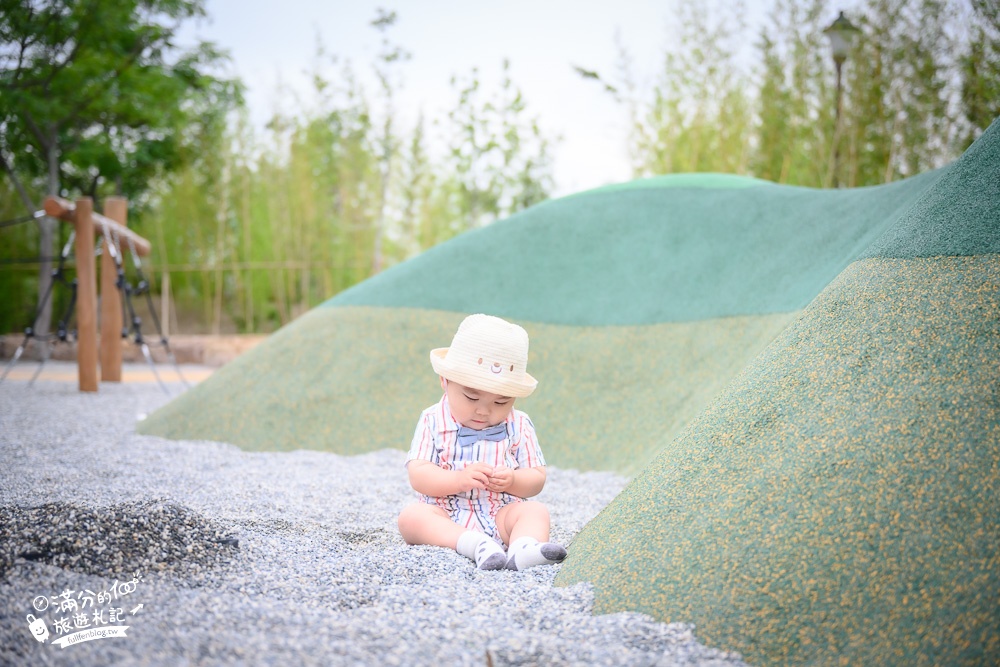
[
  {"x": 554, "y": 552},
  {"x": 495, "y": 561}
]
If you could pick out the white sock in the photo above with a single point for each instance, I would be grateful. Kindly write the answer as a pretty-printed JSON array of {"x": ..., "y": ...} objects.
[
  {"x": 527, "y": 552},
  {"x": 481, "y": 548}
]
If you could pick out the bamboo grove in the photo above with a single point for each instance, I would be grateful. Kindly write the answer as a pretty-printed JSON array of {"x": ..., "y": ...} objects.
[{"x": 251, "y": 227}]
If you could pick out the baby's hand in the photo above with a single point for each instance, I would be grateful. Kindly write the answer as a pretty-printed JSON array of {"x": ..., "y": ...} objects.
[
  {"x": 474, "y": 476},
  {"x": 501, "y": 479}
]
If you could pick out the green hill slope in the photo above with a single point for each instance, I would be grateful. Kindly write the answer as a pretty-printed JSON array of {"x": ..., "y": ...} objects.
[
  {"x": 649, "y": 252},
  {"x": 837, "y": 503}
]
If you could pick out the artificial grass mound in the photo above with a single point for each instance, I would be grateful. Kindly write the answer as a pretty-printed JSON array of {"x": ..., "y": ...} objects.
[
  {"x": 957, "y": 215},
  {"x": 837, "y": 503},
  {"x": 715, "y": 181},
  {"x": 675, "y": 248},
  {"x": 354, "y": 379}
]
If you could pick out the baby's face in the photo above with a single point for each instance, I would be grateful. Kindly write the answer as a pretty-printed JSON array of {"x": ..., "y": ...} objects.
[{"x": 475, "y": 408}]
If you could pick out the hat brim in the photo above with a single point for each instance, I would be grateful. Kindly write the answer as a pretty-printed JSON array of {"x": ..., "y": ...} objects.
[{"x": 500, "y": 386}]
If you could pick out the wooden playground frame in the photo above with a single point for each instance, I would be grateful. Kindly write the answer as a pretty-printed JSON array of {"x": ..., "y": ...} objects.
[{"x": 82, "y": 216}]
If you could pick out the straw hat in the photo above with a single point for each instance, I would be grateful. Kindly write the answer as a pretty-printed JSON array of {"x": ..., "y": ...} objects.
[{"x": 489, "y": 354}]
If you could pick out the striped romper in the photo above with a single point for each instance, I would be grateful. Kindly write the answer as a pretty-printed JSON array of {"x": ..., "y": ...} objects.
[{"x": 436, "y": 440}]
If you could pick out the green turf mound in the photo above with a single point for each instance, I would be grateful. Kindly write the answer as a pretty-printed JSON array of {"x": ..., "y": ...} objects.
[
  {"x": 673, "y": 249},
  {"x": 696, "y": 180},
  {"x": 957, "y": 215},
  {"x": 837, "y": 503},
  {"x": 324, "y": 382}
]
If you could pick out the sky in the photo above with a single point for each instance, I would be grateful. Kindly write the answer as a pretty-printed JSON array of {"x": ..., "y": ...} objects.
[{"x": 273, "y": 47}]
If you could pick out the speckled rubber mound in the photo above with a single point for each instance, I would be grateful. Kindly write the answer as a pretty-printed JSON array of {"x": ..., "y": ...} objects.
[
  {"x": 354, "y": 380},
  {"x": 837, "y": 503}
]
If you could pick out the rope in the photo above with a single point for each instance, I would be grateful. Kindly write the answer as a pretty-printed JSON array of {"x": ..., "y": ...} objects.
[
  {"x": 27, "y": 260},
  {"x": 143, "y": 288},
  {"x": 120, "y": 281},
  {"x": 29, "y": 332},
  {"x": 42, "y": 258},
  {"x": 23, "y": 219}
]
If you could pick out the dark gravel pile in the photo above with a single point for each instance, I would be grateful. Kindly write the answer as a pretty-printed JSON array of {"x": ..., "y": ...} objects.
[{"x": 146, "y": 536}]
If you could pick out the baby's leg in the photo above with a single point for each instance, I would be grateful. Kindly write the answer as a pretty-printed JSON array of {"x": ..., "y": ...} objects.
[
  {"x": 529, "y": 518},
  {"x": 525, "y": 527},
  {"x": 421, "y": 523}
]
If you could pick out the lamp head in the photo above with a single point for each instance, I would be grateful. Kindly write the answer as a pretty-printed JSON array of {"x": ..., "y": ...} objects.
[{"x": 841, "y": 33}]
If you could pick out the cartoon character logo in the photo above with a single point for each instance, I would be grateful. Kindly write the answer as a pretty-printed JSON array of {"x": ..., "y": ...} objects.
[
  {"x": 39, "y": 630},
  {"x": 496, "y": 367}
]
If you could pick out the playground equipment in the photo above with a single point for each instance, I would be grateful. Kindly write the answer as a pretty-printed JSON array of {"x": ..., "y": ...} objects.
[{"x": 115, "y": 289}]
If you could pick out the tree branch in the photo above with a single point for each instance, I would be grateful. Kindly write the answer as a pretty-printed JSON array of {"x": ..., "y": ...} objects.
[
  {"x": 44, "y": 82},
  {"x": 37, "y": 131},
  {"x": 29, "y": 204}
]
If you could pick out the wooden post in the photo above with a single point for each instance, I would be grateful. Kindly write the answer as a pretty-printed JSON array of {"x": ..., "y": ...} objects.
[
  {"x": 115, "y": 208},
  {"x": 86, "y": 296},
  {"x": 165, "y": 304},
  {"x": 82, "y": 215}
]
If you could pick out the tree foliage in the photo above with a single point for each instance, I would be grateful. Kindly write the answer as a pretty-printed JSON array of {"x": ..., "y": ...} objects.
[
  {"x": 696, "y": 118},
  {"x": 95, "y": 92},
  {"x": 922, "y": 82},
  {"x": 497, "y": 160},
  {"x": 98, "y": 99},
  {"x": 980, "y": 69},
  {"x": 794, "y": 125}
]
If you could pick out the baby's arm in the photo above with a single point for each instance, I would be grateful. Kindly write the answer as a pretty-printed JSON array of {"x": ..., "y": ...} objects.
[
  {"x": 432, "y": 480},
  {"x": 520, "y": 482}
]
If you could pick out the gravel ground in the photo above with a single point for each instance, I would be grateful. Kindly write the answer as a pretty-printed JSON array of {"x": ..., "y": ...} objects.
[{"x": 212, "y": 555}]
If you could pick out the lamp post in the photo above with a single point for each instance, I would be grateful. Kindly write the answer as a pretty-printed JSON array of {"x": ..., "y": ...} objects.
[{"x": 841, "y": 33}]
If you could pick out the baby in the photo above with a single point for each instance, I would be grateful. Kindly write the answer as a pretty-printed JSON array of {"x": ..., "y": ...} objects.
[{"x": 475, "y": 459}]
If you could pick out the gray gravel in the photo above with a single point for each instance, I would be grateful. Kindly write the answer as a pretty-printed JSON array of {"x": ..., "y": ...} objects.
[{"x": 268, "y": 558}]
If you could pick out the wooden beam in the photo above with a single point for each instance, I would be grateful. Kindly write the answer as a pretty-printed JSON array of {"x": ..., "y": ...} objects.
[
  {"x": 111, "y": 300},
  {"x": 86, "y": 296},
  {"x": 66, "y": 210}
]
